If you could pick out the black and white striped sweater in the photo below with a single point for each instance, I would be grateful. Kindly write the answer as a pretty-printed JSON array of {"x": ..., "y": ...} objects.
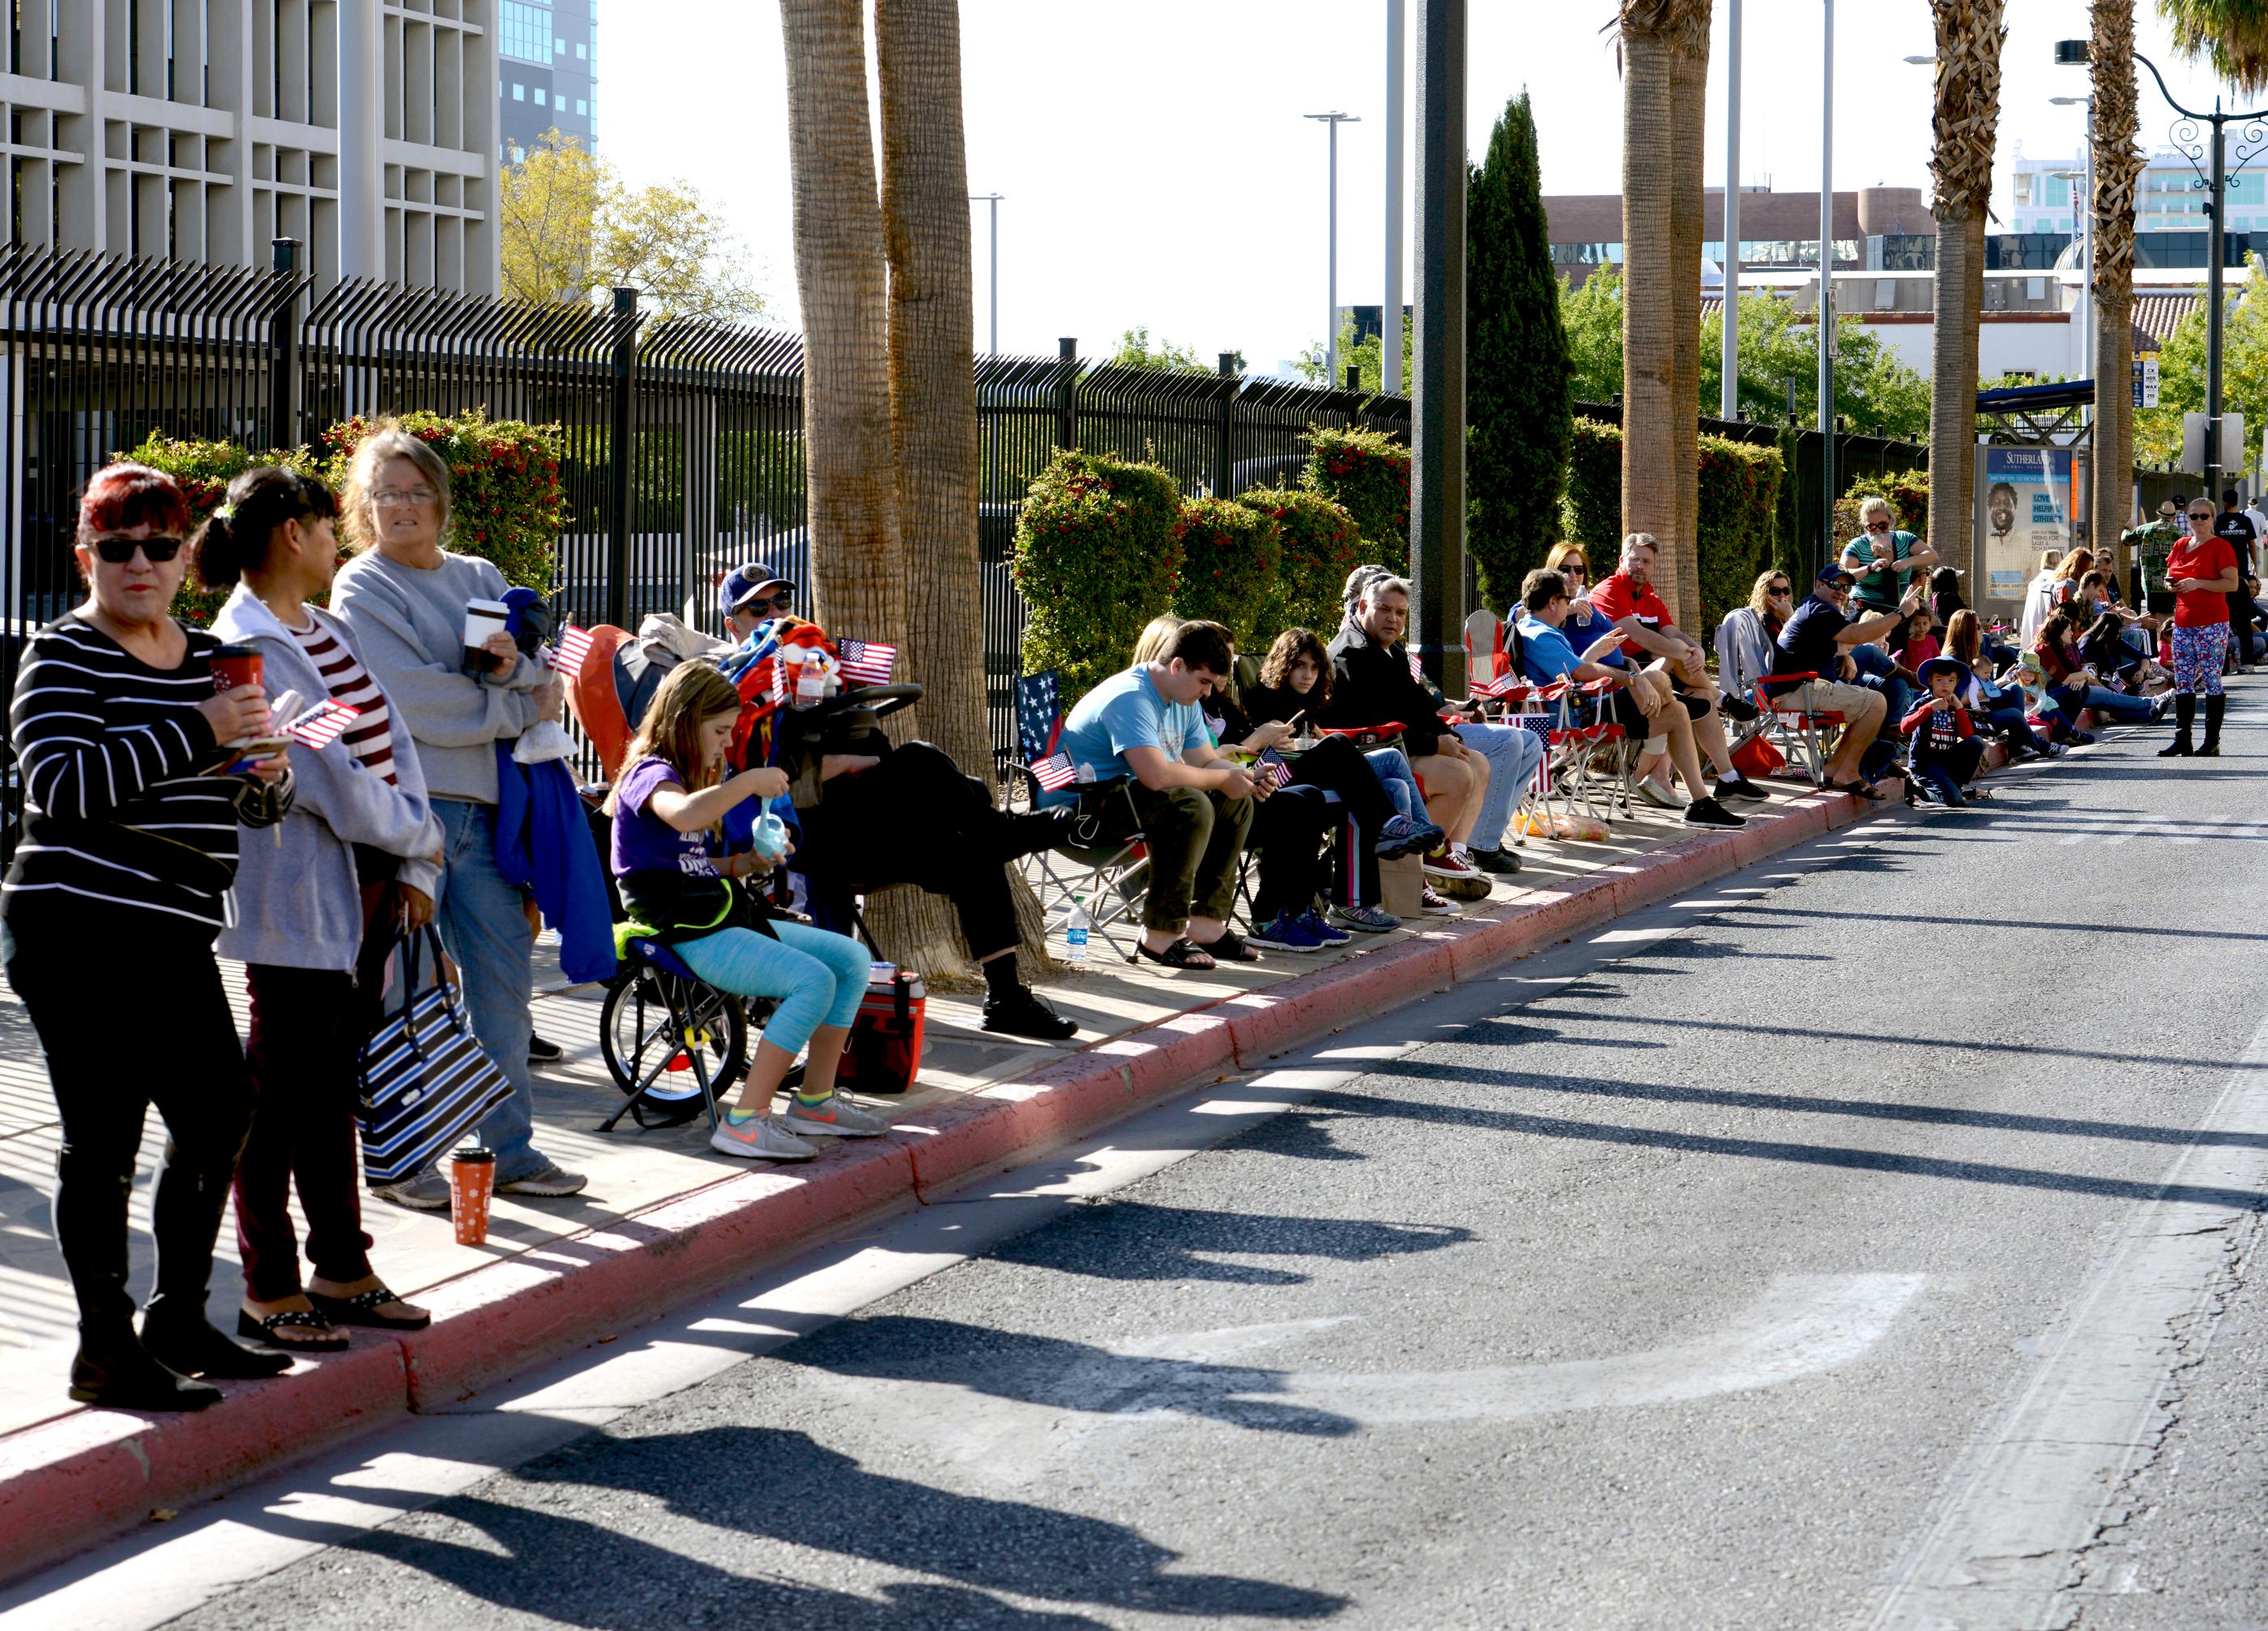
[{"x": 112, "y": 758}]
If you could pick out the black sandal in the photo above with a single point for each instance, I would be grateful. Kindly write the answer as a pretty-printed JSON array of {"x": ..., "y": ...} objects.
[
  {"x": 1230, "y": 948},
  {"x": 267, "y": 1328},
  {"x": 1856, "y": 790},
  {"x": 358, "y": 1310},
  {"x": 1182, "y": 954}
]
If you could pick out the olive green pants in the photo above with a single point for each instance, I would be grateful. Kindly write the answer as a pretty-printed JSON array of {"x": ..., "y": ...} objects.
[{"x": 1195, "y": 837}]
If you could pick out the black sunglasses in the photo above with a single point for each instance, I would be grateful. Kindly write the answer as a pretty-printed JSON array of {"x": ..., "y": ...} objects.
[
  {"x": 118, "y": 551},
  {"x": 771, "y": 603},
  {"x": 2200, "y": 515}
]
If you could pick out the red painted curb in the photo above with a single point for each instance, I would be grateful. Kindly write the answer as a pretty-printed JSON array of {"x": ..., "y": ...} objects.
[{"x": 69, "y": 1482}]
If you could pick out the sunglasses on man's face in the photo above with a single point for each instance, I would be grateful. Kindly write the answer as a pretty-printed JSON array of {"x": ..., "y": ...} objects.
[
  {"x": 764, "y": 603},
  {"x": 118, "y": 551}
]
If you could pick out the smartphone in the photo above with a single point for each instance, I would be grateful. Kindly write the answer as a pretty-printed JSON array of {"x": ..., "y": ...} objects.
[{"x": 250, "y": 753}]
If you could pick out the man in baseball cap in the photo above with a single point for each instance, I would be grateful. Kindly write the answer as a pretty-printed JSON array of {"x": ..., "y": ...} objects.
[{"x": 751, "y": 594}]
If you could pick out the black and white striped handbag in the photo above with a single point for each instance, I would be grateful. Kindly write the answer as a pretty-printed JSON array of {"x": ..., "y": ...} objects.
[{"x": 425, "y": 1079}]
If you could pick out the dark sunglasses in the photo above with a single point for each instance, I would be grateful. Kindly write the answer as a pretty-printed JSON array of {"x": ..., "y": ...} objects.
[
  {"x": 1775, "y": 588},
  {"x": 118, "y": 551},
  {"x": 2200, "y": 515},
  {"x": 762, "y": 603}
]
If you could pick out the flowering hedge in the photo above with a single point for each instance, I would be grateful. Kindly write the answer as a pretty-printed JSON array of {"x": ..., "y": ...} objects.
[
  {"x": 505, "y": 498},
  {"x": 1098, "y": 555},
  {"x": 1908, "y": 492},
  {"x": 1321, "y": 545},
  {"x": 1740, "y": 488},
  {"x": 1232, "y": 559},
  {"x": 204, "y": 470},
  {"x": 1367, "y": 474}
]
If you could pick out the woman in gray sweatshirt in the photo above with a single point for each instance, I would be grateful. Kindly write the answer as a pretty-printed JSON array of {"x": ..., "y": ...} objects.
[
  {"x": 300, "y": 924},
  {"x": 404, "y": 596}
]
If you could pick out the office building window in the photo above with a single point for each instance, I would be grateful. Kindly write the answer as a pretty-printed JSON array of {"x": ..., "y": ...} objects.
[
  {"x": 582, "y": 107},
  {"x": 539, "y": 102},
  {"x": 525, "y": 31},
  {"x": 519, "y": 94},
  {"x": 582, "y": 52}
]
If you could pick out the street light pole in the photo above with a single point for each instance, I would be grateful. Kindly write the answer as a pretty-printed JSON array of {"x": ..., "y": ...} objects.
[
  {"x": 2185, "y": 138},
  {"x": 1333, "y": 121},
  {"x": 1390, "y": 344},
  {"x": 1827, "y": 284},
  {"x": 993, "y": 264},
  {"x": 1729, "y": 395}
]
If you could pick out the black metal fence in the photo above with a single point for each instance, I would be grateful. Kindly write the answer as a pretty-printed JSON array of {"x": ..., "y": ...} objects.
[{"x": 681, "y": 442}]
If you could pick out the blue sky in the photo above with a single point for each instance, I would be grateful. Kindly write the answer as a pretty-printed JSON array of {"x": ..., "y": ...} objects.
[{"x": 1157, "y": 169}]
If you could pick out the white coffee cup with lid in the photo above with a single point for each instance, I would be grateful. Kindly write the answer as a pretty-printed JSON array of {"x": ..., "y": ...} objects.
[{"x": 484, "y": 619}]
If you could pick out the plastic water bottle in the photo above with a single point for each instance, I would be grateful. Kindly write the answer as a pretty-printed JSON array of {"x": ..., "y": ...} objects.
[{"x": 1075, "y": 930}]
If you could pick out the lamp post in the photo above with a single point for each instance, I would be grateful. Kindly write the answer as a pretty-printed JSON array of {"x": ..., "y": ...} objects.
[
  {"x": 1389, "y": 343},
  {"x": 993, "y": 263},
  {"x": 1826, "y": 281},
  {"x": 1728, "y": 396},
  {"x": 2186, "y": 134},
  {"x": 2083, "y": 214},
  {"x": 1334, "y": 119}
]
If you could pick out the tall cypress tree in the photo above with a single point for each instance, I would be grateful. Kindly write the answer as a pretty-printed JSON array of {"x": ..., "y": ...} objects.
[{"x": 1518, "y": 396}]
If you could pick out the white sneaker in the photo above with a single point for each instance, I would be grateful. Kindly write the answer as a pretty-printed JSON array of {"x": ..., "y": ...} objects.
[
  {"x": 760, "y": 1139},
  {"x": 837, "y": 1118}
]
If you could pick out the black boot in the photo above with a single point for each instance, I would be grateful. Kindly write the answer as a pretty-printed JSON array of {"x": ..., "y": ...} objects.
[
  {"x": 2184, "y": 721},
  {"x": 114, "y": 1371},
  {"x": 192, "y": 1346},
  {"x": 2214, "y": 707}
]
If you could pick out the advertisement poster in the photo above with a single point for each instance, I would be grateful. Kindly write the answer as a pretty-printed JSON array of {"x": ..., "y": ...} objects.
[{"x": 2029, "y": 499}]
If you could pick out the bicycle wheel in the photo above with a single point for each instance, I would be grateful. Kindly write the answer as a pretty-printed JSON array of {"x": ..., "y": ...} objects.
[{"x": 669, "y": 1042}]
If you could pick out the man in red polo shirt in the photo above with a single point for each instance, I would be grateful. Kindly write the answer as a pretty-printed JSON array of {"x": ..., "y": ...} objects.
[{"x": 1627, "y": 600}]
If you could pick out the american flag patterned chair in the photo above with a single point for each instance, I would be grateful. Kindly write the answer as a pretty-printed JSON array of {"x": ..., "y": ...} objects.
[{"x": 1110, "y": 872}]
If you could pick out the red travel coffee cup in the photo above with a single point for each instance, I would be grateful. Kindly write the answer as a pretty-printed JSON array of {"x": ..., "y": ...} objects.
[
  {"x": 235, "y": 665},
  {"x": 472, "y": 1181}
]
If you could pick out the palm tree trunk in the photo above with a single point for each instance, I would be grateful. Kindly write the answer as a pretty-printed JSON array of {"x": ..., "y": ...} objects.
[
  {"x": 933, "y": 420},
  {"x": 1654, "y": 299},
  {"x": 1688, "y": 79},
  {"x": 2117, "y": 164},
  {"x": 856, "y": 554},
  {"x": 1965, "y": 124}
]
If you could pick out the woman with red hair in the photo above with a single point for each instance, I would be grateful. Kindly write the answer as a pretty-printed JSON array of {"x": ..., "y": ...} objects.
[{"x": 135, "y": 784}]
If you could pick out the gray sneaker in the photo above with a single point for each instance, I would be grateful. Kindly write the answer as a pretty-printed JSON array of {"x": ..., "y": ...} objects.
[
  {"x": 549, "y": 1179},
  {"x": 1370, "y": 920},
  {"x": 760, "y": 1137},
  {"x": 837, "y": 1118},
  {"x": 1659, "y": 798},
  {"x": 427, "y": 1192}
]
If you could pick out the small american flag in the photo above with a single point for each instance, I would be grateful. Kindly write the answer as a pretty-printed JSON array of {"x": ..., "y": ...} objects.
[
  {"x": 1498, "y": 686},
  {"x": 320, "y": 726},
  {"x": 1417, "y": 668},
  {"x": 1540, "y": 783},
  {"x": 867, "y": 662},
  {"x": 1054, "y": 772},
  {"x": 1270, "y": 763},
  {"x": 574, "y": 646}
]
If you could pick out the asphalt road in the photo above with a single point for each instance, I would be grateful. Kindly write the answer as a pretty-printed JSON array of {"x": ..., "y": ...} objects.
[{"x": 1863, "y": 1244}]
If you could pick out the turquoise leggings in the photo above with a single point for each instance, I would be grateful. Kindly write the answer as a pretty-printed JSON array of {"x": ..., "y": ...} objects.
[{"x": 818, "y": 977}]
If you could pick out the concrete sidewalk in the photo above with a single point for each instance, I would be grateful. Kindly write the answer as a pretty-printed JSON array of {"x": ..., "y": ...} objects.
[{"x": 666, "y": 1218}]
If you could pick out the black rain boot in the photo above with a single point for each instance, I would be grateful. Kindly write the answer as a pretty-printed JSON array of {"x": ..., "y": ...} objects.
[
  {"x": 2214, "y": 707},
  {"x": 113, "y": 1370},
  {"x": 2184, "y": 722}
]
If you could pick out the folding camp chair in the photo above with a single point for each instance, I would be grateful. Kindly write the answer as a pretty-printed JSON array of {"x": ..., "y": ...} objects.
[
  {"x": 1800, "y": 733},
  {"x": 1107, "y": 861}
]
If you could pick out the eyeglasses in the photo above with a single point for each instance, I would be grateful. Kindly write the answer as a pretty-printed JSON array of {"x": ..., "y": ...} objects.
[
  {"x": 1574, "y": 571},
  {"x": 118, "y": 551},
  {"x": 763, "y": 603},
  {"x": 1775, "y": 588},
  {"x": 1877, "y": 526},
  {"x": 397, "y": 497},
  {"x": 2200, "y": 515}
]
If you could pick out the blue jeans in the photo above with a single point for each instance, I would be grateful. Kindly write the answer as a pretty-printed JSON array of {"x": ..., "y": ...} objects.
[
  {"x": 2113, "y": 705},
  {"x": 1878, "y": 672},
  {"x": 818, "y": 977},
  {"x": 1393, "y": 768},
  {"x": 1512, "y": 755},
  {"x": 484, "y": 927}
]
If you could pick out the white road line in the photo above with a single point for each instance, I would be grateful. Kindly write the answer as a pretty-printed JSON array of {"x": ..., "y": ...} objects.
[{"x": 2027, "y": 1500}]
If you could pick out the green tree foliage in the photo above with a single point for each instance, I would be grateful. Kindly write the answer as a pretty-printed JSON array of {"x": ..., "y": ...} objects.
[
  {"x": 1098, "y": 555},
  {"x": 1877, "y": 394},
  {"x": 1519, "y": 417},
  {"x": 1137, "y": 350},
  {"x": 204, "y": 470},
  {"x": 570, "y": 228},
  {"x": 1907, "y": 493},
  {"x": 1740, "y": 493},
  {"x": 1321, "y": 545},
  {"x": 2180, "y": 374},
  {"x": 1367, "y": 474},
  {"x": 1366, "y": 355},
  {"x": 1231, "y": 556}
]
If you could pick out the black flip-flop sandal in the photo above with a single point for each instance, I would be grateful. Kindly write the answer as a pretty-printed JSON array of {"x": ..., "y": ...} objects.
[
  {"x": 266, "y": 1328},
  {"x": 1182, "y": 954},
  {"x": 360, "y": 1309},
  {"x": 1230, "y": 948}
]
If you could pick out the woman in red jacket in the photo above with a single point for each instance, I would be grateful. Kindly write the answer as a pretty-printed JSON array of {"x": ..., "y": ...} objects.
[{"x": 2202, "y": 573}]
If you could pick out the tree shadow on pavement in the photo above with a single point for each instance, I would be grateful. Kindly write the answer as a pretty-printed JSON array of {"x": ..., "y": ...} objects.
[
  {"x": 1767, "y": 1150},
  {"x": 1055, "y": 1372},
  {"x": 541, "y": 1545},
  {"x": 1136, "y": 1240}
]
